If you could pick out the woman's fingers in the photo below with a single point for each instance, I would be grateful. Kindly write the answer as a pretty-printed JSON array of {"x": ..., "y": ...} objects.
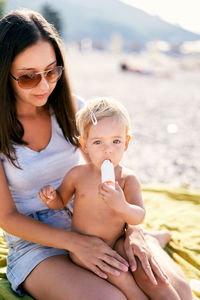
[
  {"x": 111, "y": 265},
  {"x": 97, "y": 256},
  {"x": 152, "y": 268},
  {"x": 131, "y": 258},
  {"x": 120, "y": 258},
  {"x": 135, "y": 245},
  {"x": 116, "y": 261},
  {"x": 147, "y": 268},
  {"x": 98, "y": 272},
  {"x": 108, "y": 269},
  {"x": 157, "y": 270}
]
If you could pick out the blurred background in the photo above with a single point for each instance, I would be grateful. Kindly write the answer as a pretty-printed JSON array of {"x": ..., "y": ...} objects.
[{"x": 146, "y": 54}]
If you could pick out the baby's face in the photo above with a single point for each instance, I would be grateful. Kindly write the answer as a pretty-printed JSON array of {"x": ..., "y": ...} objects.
[{"x": 107, "y": 140}]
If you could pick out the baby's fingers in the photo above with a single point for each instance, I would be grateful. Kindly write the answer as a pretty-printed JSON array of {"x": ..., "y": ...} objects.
[
  {"x": 42, "y": 197},
  {"x": 50, "y": 193}
]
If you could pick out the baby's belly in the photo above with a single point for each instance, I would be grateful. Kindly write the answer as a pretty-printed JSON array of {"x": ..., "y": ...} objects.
[{"x": 108, "y": 227}]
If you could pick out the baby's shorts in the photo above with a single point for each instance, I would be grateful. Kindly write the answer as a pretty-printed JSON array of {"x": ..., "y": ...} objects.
[{"x": 24, "y": 256}]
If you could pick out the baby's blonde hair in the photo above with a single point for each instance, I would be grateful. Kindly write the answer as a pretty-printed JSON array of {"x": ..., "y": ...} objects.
[{"x": 100, "y": 108}]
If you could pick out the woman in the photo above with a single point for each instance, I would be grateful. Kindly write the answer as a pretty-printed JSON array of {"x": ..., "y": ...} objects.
[{"x": 37, "y": 146}]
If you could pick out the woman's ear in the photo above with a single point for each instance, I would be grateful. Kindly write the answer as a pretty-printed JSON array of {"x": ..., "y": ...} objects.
[
  {"x": 128, "y": 137},
  {"x": 83, "y": 145}
]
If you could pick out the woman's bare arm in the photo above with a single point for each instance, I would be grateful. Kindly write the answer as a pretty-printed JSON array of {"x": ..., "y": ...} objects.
[{"x": 26, "y": 227}]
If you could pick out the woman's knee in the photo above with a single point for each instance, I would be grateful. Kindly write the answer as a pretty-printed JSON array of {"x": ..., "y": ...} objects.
[
  {"x": 159, "y": 291},
  {"x": 183, "y": 289},
  {"x": 179, "y": 289}
]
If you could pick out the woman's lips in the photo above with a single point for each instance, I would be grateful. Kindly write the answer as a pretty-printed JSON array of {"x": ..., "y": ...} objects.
[{"x": 41, "y": 96}]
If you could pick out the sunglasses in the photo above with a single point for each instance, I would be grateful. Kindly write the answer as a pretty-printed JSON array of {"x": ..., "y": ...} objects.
[{"x": 29, "y": 81}]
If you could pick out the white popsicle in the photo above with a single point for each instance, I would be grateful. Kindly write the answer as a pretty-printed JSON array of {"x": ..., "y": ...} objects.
[{"x": 108, "y": 173}]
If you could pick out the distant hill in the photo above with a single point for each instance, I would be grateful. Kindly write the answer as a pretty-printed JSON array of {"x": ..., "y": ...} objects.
[{"x": 99, "y": 20}]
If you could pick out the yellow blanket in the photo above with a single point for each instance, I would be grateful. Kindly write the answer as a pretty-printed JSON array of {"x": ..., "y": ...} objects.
[
  {"x": 178, "y": 210},
  {"x": 175, "y": 209}
]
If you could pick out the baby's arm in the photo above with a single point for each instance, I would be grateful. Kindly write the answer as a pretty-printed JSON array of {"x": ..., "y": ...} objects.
[
  {"x": 128, "y": 202},
  {"x": 134, "y": 210},
  {"x": 57, "y": 199},
  {"x": 50, "y": 197}
]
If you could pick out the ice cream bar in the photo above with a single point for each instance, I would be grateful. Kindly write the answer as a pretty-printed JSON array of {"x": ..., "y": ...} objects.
[{"x": 108, "y": 173}]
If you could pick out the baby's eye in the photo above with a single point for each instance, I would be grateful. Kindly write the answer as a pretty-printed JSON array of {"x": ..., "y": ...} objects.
[
  {"x": 97, "y": 142},
  {"x": 116, "y": 142}
]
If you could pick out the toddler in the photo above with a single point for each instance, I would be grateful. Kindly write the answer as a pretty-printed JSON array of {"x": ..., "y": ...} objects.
[{"x": 99, "y": 210}]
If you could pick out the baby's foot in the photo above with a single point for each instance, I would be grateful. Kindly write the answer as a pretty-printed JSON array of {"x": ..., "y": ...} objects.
[{"x": 162, "y": 236}]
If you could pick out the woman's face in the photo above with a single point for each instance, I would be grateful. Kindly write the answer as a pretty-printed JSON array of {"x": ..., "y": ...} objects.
[{"x": 36, "y": 58}]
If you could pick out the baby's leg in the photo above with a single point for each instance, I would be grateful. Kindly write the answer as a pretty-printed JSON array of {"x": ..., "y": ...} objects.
[{"x": 125, "y": 281}]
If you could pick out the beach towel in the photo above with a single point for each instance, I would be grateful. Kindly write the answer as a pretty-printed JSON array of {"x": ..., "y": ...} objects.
[
  {"x": 175, "y": 209},
  {"x": 178, "y": 210}
]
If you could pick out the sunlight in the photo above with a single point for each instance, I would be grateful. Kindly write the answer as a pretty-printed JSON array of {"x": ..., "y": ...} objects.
[{"x": 181, "y": 12}]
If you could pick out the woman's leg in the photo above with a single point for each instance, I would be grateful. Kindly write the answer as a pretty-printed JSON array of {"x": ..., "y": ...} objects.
[
  {"x": 179, "y": 288},
  {"x": 58, "y": 278}
]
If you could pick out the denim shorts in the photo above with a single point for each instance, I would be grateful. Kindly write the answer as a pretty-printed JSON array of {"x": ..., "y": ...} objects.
[{"x": 24, "y": 256}]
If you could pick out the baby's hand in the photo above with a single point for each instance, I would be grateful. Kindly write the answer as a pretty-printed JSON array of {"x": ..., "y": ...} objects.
[
  {"x": 47, "y": 194},
  {"x": 113, "y": 198}
]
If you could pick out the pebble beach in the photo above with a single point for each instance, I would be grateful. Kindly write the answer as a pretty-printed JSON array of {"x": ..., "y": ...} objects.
[{"x": 163, "y": 104}]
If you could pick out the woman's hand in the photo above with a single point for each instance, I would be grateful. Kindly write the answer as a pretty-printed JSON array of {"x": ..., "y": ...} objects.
[
  {"x": 136, "y": 245},
  {"x": 98, "y": 257}
]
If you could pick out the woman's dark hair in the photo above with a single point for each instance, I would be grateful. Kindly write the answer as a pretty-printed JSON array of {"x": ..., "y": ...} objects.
[{"x": 19, "y": 30}]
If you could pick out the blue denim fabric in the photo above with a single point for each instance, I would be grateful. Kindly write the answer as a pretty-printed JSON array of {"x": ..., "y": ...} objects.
[{"x": 24, "y": 256}]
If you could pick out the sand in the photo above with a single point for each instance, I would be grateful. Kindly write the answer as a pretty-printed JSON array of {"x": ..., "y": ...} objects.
[{"x": 164, "y": 108}]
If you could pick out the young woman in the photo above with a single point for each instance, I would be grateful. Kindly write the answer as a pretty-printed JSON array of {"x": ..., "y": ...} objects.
[{"x": 37, "y": 146}]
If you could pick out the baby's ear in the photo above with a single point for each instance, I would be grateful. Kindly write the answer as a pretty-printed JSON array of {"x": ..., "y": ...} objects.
[
  {"x": 128, "y": 137},
  {"x": 83, "y": 145}
]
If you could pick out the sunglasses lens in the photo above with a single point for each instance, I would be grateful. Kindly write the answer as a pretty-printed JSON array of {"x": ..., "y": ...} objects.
[
  {"x": 28, "y": 81},
  {"x": 54, "y": 74}
]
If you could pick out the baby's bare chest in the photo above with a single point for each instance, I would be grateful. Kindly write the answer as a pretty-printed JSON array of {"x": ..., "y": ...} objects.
[
  {"x": 89, "y": 195},
  {"x": 92, "y": 216},
  {"x": 88, "y": 202}
]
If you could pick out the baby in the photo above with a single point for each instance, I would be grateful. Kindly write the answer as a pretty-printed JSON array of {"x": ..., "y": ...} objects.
[{"x": 99, "y": 210}]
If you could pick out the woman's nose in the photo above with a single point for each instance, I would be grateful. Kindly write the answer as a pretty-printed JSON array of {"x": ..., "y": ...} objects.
[{"x": 43, "y": 84}]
